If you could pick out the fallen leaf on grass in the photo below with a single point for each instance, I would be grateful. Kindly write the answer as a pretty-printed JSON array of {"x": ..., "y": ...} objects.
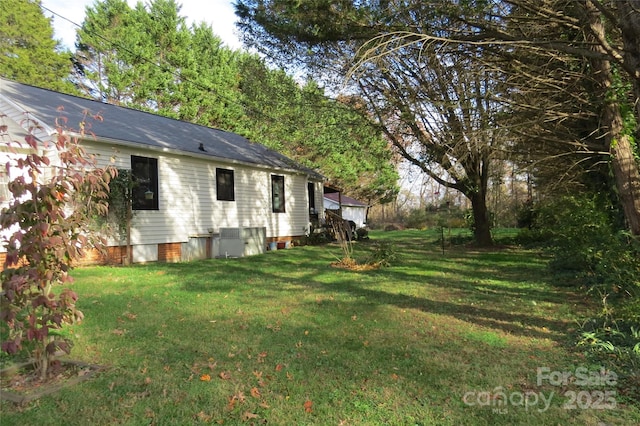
[
  {"x": 255, "y": 392},
  {"x": 202, "y": 416},
  {"x": 307, "y": 406},
  {"x": 235, "y": 399},
  {"x": 232, "y": 403},
  {"x": 205, "y": 378},
  {"x": 248, "y": 415},
  {"x": 279, "y": 367},
  {"x": 224, "y": 375}
]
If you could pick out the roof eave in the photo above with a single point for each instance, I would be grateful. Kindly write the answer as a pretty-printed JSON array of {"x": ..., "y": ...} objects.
[{"x": 208, "y": 157}]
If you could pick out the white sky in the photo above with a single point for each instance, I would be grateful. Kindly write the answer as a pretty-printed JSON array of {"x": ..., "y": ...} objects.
[{"x": 217, "y": 13}]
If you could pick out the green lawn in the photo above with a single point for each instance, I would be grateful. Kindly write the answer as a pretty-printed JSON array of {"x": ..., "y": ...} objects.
[{"x": 285, "y": 339}]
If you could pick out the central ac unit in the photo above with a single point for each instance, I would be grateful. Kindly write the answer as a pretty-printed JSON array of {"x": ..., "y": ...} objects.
[{"x": 231, "y": 245}]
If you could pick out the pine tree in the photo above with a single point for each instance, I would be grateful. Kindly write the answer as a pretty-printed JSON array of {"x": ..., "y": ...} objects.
[{"x": 28, "y": 52}]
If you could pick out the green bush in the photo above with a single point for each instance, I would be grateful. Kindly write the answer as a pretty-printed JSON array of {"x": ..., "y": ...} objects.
[
  {"x": 435, "y": 216},
  {"x": 417, "y": 219},
  {"x": 383, "y": 253},
  {"x": 585, "y": 240},
  {"x": 526, "y": 215},
  {"x": 362, "y": 234},
  {"x": 580, "y": 233},
  {"x": 616, "y": 345}
]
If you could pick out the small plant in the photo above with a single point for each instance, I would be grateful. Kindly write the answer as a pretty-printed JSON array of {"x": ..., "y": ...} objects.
[
  {"x": 120, "y": 195},
  {"x": 54, "y": 199},
  {"x": 616, "y": 345},
  {"x": 342, "y": 233},
  {"x": 120, "y": 201},
  {"x": 383, "y": 253}
]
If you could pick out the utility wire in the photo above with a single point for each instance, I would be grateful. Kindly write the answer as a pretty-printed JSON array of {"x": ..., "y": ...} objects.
[
  {"x": 323, "y": 101},
  {"x": 169, "y": 69},
  {"x": 165, "y": 68}
]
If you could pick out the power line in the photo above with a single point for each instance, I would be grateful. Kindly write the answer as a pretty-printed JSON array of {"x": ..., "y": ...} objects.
[
  {"x": 166, "y": 68},
  {"x": 170, "y": 69},
  {"x": 319, "y": 101}
]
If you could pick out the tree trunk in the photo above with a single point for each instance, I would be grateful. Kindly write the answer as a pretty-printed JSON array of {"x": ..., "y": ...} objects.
[
  {"x": 629, "y": 20},
  {"x": 628, "y": 174},
  {"x": 625, "y": 168},
  {"x": 482, "y": 225}
]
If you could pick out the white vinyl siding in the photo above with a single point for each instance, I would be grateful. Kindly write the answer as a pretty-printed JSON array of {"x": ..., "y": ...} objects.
[
  {"x": 188, "y": 202},
  {"x": 6, "y": 197}
]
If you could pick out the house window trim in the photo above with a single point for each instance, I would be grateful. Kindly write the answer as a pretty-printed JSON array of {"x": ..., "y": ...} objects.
[
  {"x": 5, "y": 194},
  {"x": 278, "y": 180},
  {"x": 153, "y": 185},
  {"x": 227, "y": 194}
]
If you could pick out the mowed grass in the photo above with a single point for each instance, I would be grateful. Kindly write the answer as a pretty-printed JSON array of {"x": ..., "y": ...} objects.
[{"x": 284, "y": 338}]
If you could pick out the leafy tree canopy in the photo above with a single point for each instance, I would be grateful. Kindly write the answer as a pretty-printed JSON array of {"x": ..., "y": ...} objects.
[
  {"x": 28, "y": 52},
  {"x": 146, "y": 57}
]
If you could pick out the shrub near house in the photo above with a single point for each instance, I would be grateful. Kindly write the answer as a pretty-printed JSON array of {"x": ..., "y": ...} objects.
[{"x": 45, "y": 231}]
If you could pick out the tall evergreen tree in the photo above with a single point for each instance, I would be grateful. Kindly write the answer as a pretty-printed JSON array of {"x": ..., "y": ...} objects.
[
  {"x": 104, "y": 37},
  {"x": 321, "y": 133},
  {"x": 147, "y": 58},
  {"x": 28, "y": 52},
  {"x": 161, "y": 44},
  {"x": 210, "y": 92}
]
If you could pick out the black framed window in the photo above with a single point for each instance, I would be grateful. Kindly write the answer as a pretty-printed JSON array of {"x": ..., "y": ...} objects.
[
  {"x": 224, "y": 185},
  {"x": 277, "y": 193},
  {"x": 144, "y": 171}
]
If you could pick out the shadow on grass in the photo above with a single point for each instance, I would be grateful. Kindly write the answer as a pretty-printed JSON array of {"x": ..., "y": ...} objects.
[
  {"x": 512, "y": 323},
  {"x": 457, "y": 297}
]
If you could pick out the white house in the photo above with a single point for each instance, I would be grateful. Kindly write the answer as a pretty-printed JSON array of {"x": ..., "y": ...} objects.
[
  {"x": 351, "y": 208},
  {"x": 205, "y": 192}
]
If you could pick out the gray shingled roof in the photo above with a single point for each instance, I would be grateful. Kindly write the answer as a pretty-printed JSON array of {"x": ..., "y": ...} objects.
[
  {"x": 132, "y": 126},
  {"x": 346, "y": 201}
]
